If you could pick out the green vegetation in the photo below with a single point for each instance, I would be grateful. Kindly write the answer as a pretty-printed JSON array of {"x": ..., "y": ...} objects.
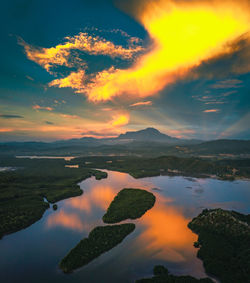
[
  {"x": 54, "y": 206},
  {"x": 224, "y": 242},
  {"x": 129, "y": 204},
  {"x": 22, "y": 191},
  {"x": 161, "y": 275},
  {"x": 167, "y": 165},
  {"x": 101, "y": 239}
]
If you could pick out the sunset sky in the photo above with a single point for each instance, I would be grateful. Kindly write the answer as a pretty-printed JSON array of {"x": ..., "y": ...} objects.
[{"x": 79, "y": 68}]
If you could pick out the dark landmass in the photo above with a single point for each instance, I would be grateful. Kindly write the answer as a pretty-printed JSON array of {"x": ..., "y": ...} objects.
[
  {"x": 101, "y": 239},
  {"x": 139, "y": 167},
  {"x": 224, "y": 244},
  {"x": 161, "y": 275},
  {"x": 23, "y": 190},
  {"x": 129, "y": 204},
  {"x": 54, "y": 206},
  {"x": 144, "y": 143}
]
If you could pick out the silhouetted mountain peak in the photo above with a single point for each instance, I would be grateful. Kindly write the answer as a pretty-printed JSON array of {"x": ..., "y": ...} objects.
[{"x": 146, "y": 135}]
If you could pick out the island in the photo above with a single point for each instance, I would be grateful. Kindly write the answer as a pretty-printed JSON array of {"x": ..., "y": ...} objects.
[
  {"x": 129, "y": 204},
  {"x": 161, "y": 275},
  {"x": 101, "y": 239},
  {"x": 224, "y": 244}
]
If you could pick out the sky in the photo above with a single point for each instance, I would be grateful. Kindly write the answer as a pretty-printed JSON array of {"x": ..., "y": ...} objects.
[{"x": 71, "y": 69}]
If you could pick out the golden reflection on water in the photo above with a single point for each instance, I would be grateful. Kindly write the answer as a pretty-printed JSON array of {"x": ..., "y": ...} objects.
[
  {"x": 100, "y": 196},
  {"x": 64, "y": 219},
  {"x": 164, "y": 234}
]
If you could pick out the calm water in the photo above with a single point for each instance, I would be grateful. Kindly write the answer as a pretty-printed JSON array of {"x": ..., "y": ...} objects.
[{"x": 161, "y": 235}]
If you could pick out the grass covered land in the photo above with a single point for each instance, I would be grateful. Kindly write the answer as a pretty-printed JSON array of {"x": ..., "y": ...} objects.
[
  {"x": 139, "y": 167},
  {"x": 224, "y": 244},
  {"x": 161, "y": 275},
  {"x": 22, "y": 191},
  {"x": 129, "y": 204},
  {"x": 101, "y": 239}
]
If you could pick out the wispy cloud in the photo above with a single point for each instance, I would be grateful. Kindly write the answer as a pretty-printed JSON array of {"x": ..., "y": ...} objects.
[
  {"x": 211, "y": 111},
  {"x": 233, "y": 83},
  {"x": 69, "y": 116},
  {"x": 142, "y": 103},
  {"x": 38, "y": 107},
  {"x": 10, "y": 116}
]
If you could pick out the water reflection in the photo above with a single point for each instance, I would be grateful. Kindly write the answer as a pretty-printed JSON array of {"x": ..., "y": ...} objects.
[
  {"x": 64, "y": 219},
  {"x": 161, "y": 235},
  {"x": 164, "y": 234}
]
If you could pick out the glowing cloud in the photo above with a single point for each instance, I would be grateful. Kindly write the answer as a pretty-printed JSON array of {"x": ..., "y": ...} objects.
[
  {"x": 38, "y": 107},
  {"x": 120, "y": 120},
  {"x": 142, "y": 103},
  {"x": 60, "y": 54},
  {"x": 75, "y": 80},
  {"x": 183, "y": 34},
  {"x": 211, "y": 111}
]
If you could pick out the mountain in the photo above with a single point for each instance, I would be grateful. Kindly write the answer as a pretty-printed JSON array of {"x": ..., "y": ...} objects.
[
  {"x": 149, "y": 134},
  {"x": 144, "y": 142}
]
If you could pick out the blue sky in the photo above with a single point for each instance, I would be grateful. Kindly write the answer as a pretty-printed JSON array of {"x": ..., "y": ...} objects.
[{"x": 208, "y": 99}]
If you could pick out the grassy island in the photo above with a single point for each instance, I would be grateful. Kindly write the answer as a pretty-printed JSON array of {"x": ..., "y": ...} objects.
[
  {"x": 224, "y": 244},
  {"x": 23, "y": 190},
  {"x": 161, "y": 275},
  {"x": 129, "y": 204},
  {"x": 101, "y": 239}
]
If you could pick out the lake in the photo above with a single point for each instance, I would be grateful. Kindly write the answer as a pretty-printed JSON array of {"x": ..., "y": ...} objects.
[{"x": 161, "y": 235}]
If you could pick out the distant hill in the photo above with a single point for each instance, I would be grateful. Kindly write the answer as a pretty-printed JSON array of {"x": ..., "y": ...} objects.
[
  {"x": 222, "y": 146},
  {"x": 146, "y": 142}
]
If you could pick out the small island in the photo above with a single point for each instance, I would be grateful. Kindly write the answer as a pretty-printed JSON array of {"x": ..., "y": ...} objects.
[
  {"x": 224, "y": 244},
  {"x": 55, "y": 206},
  {"x": 101, "y": 239},
  {"x": 129, "y": 204},
  {"x": 161, "y": 275}
]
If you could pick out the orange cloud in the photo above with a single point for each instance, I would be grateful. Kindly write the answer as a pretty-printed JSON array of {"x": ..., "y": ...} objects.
[
  {"x": 60, "y": 54},
  {"x": 38, "y": 107},
  {"x": 142, "y": 103},
  {"x": 5, "y": 130},
  {"x": 211, "y": 111},
  {"x": 75, "y": 80},
  {"x": 120, "y": 120}
]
